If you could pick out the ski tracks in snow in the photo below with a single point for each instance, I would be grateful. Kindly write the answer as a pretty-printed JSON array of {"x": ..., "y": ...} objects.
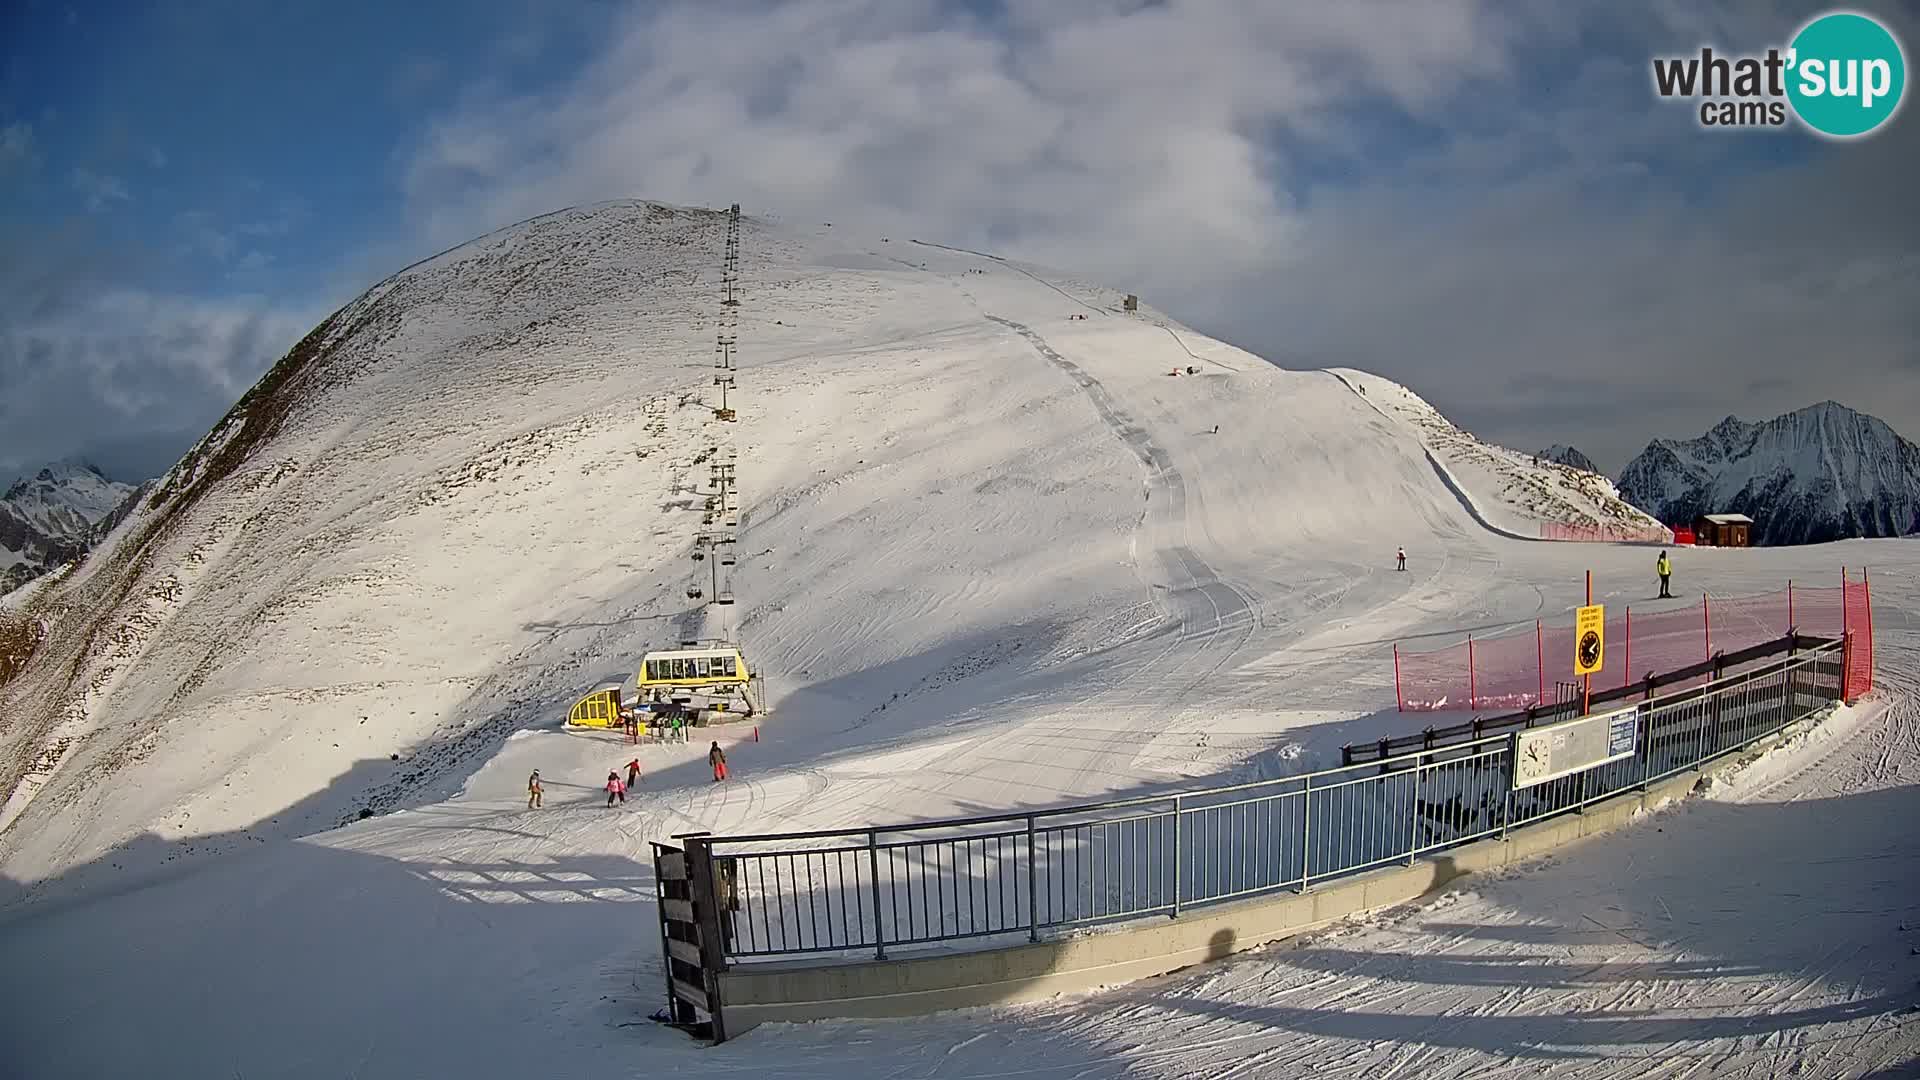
[{"x": 1215, "y": 619}]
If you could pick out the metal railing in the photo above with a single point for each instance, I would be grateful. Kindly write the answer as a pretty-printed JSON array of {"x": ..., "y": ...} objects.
[
  {"x": 1565, "y": 701},
  {"x": 889, "y": 887}
]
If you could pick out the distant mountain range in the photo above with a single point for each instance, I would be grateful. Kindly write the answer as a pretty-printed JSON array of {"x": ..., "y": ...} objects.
[
  {"x": 54, "y": 517},
  {"x": 1567, "y": 455},
  {"x": 1825, "y": 472}
]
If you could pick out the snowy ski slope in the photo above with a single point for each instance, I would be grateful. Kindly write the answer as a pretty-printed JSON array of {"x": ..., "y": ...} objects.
[{"x": 991, "y": 556}]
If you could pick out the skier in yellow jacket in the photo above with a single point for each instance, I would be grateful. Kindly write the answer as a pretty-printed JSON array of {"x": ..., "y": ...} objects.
[{"x": 1665, "y": 569}]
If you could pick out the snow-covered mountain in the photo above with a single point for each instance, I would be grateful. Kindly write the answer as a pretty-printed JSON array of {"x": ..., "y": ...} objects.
[
  {"x": 1523, "y": 495},
  {"x": 1003, "y": 543},
  {"x": 1568, "y": 456},
  {"x": 475, "y": 488},
  {"x": 1822, "y": 473},
  {"x": 53, "y": 517}
]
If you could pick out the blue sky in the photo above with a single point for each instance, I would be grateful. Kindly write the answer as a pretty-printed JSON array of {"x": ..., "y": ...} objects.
[
  {"x": 260, "y": 138},
  {"x": 1480, "y": 199}
]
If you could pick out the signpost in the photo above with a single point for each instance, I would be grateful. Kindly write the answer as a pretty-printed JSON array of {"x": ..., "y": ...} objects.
[
  {"x": 1589, "y": 645},
  {"x": 1590, "y": 640},
  {"x": 1555, "y": 750}
]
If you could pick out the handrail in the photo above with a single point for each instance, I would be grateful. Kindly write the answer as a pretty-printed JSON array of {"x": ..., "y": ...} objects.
[
  {"x": 1728, "y": 682},
  {"x": 1085, "y": 865},
  {"x": 1353, "y": 753}
]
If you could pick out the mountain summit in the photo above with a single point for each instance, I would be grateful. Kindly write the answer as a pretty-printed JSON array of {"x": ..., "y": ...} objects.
[
  {"x": 1570, "y": 457},
  {"x": 1825, "y": 472},
  {"x": 53, "y": 517}
]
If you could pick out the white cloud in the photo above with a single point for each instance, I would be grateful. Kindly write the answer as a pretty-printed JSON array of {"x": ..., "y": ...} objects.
[
  {"x": 1527, "y": 252},
  {"x": 16, "y": 148},
  {"x": 115, "y": 366},
  {"x": 1121, "y": 138},
  {"x": 98, "y": 189}
]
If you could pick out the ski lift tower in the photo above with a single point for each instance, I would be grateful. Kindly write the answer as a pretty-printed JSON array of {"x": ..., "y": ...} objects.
[{"x": 723, "y": 382}]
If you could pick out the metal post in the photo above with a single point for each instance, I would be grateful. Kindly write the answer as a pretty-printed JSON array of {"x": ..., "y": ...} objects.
[
  {"x": 1306, "y": 832},
  {"x": 1177, "y": 860},
  {"x": 1033, "y": 893},
  {"x": 1626, "y": 669},
  {"x": 1646, "y": 750},
  {"x": 873, "y": 865},
  {"x": 1506, "y": 816},
  {"x": 1413, "y": 823},
  {"x": 1790, "y": 623}
]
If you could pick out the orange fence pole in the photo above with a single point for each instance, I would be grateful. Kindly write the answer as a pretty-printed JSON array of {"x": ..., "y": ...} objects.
[
  {"x": 1473, "y": 693},
  {"x": 1866, "y": 594},
  {"x": 1399, "y": 697},
  {"x": 1846, "y": 640},
  {"x": 1706, "y": 624},
  {"x": 1586, "y": 681},
  {"x": 1540, "y": 660},
  {"x": 1626, "y": 670}
]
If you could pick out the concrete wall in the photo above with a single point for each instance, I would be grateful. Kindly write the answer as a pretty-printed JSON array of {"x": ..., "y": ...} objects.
[{"x": 910, "y": 985}]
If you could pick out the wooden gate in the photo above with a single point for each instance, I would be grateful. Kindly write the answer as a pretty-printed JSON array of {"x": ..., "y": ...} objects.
[{"x": 691, "y": 951}]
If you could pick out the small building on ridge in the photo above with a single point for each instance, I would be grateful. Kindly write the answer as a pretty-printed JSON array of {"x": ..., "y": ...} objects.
[{"x": 1723, "y": 530}]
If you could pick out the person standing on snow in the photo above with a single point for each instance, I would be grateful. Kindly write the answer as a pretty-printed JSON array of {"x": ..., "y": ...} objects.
[
  {"x": 1400, "y": 558},
  {"x": 615, "y": 789},
  {"x": 1665, "y": 569},
  {"x": 633, "y": 773},
  {"x": 717, "y": 758},
  {"x": 533, "y": 790}
]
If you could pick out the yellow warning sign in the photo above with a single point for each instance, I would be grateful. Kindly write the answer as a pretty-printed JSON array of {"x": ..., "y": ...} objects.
[{"x": 1589, "y": 639}]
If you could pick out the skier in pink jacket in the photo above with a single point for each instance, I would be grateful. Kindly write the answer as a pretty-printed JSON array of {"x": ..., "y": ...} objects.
[{"x": 615, "y": 789}]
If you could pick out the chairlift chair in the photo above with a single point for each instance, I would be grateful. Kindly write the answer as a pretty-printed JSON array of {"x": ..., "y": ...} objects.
[
  {"x": 694, "y": 593},
  {"x": 726, "y": 560},
  {"x": 724, "y": 598}
]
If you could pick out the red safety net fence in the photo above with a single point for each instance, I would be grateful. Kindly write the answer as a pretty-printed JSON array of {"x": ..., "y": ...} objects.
[
  {"x": 1520, "y": 668},
  {"x": 1605, "y": 534}
]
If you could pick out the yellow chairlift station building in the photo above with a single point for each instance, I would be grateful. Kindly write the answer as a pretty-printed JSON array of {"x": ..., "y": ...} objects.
[
  {"x": 600, "y": 709},
  {"x": 717, "y": 667}
]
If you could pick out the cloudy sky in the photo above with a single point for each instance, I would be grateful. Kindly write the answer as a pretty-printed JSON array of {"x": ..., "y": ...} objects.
[{"x": 1483, "y": 200}]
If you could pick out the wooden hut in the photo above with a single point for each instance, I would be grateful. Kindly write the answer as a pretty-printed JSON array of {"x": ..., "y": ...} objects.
[{"x": 1723, "y": 530}]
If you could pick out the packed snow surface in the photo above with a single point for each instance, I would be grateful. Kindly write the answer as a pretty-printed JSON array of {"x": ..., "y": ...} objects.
[{"x": 992, "y": 554}]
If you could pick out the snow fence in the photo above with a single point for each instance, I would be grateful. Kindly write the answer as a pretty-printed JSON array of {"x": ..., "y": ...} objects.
[{"x": 1518, "y": 669}]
